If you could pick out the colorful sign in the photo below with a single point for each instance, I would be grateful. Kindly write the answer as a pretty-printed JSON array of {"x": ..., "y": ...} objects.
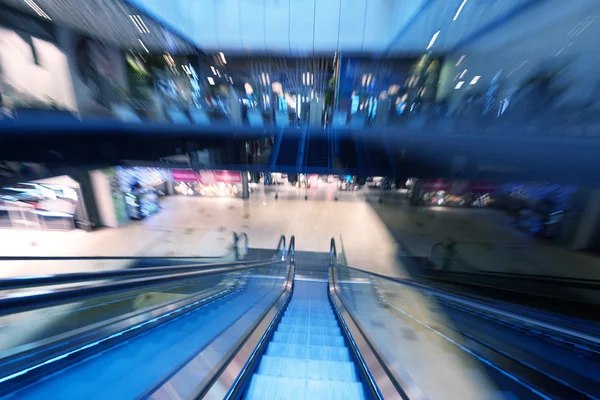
[
  {"x": 458, "y": 187},
  {"x": 207, "y": 177}
]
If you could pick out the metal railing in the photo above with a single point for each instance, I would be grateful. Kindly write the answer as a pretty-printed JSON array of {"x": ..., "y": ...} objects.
[{"x": 141, "y": 278}]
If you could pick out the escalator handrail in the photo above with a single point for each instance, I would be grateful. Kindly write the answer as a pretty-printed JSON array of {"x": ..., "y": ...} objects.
[
  {"x": 280, "y": 249},
  {"x": 74, "y": 277},
  {"x": 244, "y": 351},
  {"x": 332, "y": 252},
  {"x": 489, "y": 305},
  {"x": 11, "y": 305},
  {"x": 61, "y": 279},
  {"x": 384, "y": 382},
  {"x": 292, "y": 250}
]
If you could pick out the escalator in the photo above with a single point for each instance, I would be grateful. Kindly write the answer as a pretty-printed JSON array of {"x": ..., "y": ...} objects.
[
  {"x": 298, "y": 325},
  {"x": 307, "y": 354}
]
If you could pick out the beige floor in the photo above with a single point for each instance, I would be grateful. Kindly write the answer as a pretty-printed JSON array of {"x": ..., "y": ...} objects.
[
  {"x": 372, "y": 234},
  {"x": 192, "y": 226},
  {"x": 485, "y": 240}
]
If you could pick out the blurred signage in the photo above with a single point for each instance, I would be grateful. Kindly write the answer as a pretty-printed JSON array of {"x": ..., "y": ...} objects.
[
  {"x": 458, "y": 187},
  {"x": 207, "y": 177}
]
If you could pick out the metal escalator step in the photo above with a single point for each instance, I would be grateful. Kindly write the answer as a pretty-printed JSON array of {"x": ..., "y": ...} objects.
[
  {"x": 308, "y": 369},
  {"x": 279, "y": 388},
  {"x": 306, "y": 321},
  {"x": 313, "y": 352},
  {"x": 320, "y": 313},
  {"x": 309, "y": 329},
  {"x": 317, "y": 340}
]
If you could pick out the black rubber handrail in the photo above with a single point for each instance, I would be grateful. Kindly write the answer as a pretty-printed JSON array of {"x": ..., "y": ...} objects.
[
  {"x": 11, "y": 305},
  {"x": 590, "y": 284},
  {"x": 472, "y": 270},
  {"x": 61, "y": 279},
  {"x": 332, "y": 252},
  {"x": 292, "y": 249},
  {"x": 281, "y": 247}
]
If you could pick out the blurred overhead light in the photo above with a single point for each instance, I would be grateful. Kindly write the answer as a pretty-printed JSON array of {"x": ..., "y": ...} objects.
[
  {"x": 211, "y": 80},
  {"x": 433, "y": 39},
  {"x": 223, "y": 57},
  {"x": 475, "y": 80},
  {"x": 460, "y": 60},
  {"x": 144, "y": 46},
  {"x": 459, "y": 10},
  {"x": 37, "y": 9},
  {"x": 248, "y": 88},
  {"x": 463, "y": 74},
  {"x": 459, "y": 85},
  {"x": 139, "y": 23}
]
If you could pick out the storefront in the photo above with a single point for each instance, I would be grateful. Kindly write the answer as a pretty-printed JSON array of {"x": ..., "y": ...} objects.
[
  {"x": 126, "y": 193},
  {"x": 207, "y": 183},
  {"x": 450, "y": 193},
  {"x": 49, "y": 204}
]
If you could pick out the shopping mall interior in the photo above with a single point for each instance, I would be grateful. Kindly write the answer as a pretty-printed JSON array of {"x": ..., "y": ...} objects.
[{"x": 299, "y": 199}]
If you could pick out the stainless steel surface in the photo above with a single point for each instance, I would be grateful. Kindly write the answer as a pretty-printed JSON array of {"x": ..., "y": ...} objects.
[
  {"x": 226, "y": 384},
  {"x": 101, "y": 333},
  {"x": 381, "y": 381}
]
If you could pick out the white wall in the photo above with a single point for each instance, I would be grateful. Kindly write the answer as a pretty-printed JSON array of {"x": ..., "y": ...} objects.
[
  {"x": 51, "y": 79},
  {"x": 104, "y": 198}
]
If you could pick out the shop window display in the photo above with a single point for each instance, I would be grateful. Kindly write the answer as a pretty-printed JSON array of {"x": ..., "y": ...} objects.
[
  {"x": 142, "y": 188},
  {"x": 207, "y": 183}
]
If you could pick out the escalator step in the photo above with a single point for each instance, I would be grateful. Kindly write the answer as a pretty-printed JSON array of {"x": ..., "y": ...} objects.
[
  {"x": 317, "y": 340},
  {"x": 275, "y": 388},
  {"x": 309, "y": 329},
  {"x": 308, "y": 369},
  {"x": 306, "y": 320},
  {"x": 312, "y": 352}
]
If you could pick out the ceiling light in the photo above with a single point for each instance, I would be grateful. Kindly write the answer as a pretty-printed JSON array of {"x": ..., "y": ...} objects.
[
  {"x": 433, "y": 39},
  {"x": 37, "y": 9},
  {"x": 144, "y": 46},
  {"x": 459, "y": 10},
  {"x": 211, "y": 80},
  {"x": 475, "y": 80},
  {"x": 213, "y": 70},
  {"x": 223, "y": 58},
  {"x": 459, "y": 85},
  {"x": 463, "y": 74},
  {"x": 460, "y": 60},
  {"x": 218, "y": 74},
  {"x": 139, "y": 23}
]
